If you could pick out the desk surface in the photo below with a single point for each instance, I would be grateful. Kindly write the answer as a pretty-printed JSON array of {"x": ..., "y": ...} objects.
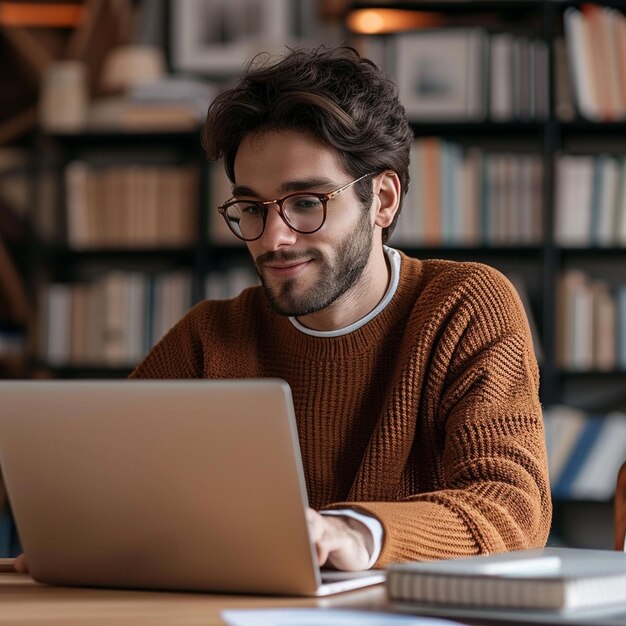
[
  {"x": 24, "y": 602},
  {"x": 27, "y": 603}
]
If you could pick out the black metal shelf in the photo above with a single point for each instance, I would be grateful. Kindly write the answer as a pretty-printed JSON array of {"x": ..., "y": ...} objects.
[
  {"x": 484, "y": 127},
  {"x": 455, "y": 6},
  {"x": 92, "y": 137},
  {"x": 593, "y": 251},
  {"x": 65, "y": 253},
  {"x": 87, "y": 371},
  {"x": 473, "y": 251}
]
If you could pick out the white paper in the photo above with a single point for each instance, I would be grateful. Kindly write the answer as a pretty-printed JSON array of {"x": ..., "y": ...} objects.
[{"x": 325, "y": 617}]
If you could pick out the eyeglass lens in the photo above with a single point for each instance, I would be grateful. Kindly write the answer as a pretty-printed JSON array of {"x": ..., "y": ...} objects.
[{"x": 303, "y": 213}]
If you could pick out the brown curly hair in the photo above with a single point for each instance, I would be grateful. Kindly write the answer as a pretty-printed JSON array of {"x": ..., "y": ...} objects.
[{"x": 334, "y": 95}]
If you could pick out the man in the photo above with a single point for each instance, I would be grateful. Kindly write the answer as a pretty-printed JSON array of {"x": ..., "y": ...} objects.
[{"x": 414, "y": 382}]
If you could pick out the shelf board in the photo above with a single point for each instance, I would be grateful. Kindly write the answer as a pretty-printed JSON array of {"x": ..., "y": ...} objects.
[
  {"x": 474, "y": 251},
  {"x": 119, "y": 136},
  {"x": 606, "y": 374},
  {"x": 592, "y": 251},
  {"x": 87, "y": 371},
  {"x": 591, "y": 127},
  {"x": 177, "y": 253},
  {"x": 465, "y": 127},
  {"x": 615, "y": 4},
  {"x": 454, "y": 6}
]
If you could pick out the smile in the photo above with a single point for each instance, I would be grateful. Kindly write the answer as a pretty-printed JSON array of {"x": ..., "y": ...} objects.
[{"x": 287, "y": 270}]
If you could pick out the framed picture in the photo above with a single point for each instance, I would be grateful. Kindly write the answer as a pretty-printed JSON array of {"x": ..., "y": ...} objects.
[
  {"x": 440, "y": 74},
  {"x": 216, "y": 37}
]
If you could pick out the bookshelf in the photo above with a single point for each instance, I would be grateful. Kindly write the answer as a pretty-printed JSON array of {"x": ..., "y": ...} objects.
[
  {"x": 16, "y": 312},
  {"x": 593, "y": 382},
  {"x": 217, "y": 266}
]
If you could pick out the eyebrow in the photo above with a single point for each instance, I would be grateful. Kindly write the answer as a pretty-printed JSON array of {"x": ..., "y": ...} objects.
[{"x": 288, "y": 187}]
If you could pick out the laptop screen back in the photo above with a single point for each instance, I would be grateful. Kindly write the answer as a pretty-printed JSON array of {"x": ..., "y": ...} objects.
[{"x": 193, "y": 485}]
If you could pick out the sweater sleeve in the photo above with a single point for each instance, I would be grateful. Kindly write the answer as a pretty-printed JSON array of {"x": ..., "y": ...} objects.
[{"x": 482, "y": 400}]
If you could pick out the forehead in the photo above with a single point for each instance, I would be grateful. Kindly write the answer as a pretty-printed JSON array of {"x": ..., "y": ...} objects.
[{"x": 271, "y": 158}]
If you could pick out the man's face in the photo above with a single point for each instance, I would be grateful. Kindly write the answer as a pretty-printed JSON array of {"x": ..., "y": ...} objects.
[{"x": 303, "y": 274}]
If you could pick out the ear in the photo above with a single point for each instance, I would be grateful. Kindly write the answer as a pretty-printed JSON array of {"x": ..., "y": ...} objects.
[{"x": 387, "y": 189}]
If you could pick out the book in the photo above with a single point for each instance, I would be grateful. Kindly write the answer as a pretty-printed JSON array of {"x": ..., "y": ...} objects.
[
  {"x": 596, "y": 477},
  {"x": 563, "y": 425},
  {"x": 563, "y": 90},
  {"x": 574, "y": 196},
  {"x": 515, "y": 584},
  {"x": 578, "y": 456},
  {"x": 578, "y": 46}
]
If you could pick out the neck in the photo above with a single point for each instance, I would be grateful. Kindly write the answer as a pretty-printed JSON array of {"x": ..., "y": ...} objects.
[{"x": 358, "y": 301}]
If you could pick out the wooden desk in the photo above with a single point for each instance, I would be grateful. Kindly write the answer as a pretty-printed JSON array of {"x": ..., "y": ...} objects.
[{"x": 24, "y": 602}]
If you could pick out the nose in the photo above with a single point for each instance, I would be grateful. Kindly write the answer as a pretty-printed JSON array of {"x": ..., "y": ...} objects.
[{"x": 276, "y": 234}]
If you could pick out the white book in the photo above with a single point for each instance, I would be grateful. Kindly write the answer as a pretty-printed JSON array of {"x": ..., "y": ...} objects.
[
  {"x": 581, "y": 338},
  {"x": 58, "y": 328},
  {"x": 500, "y": 83},
  {"x": 574, "y": 189},
  {"x": 115, "y": 327},
  {"x": 79, "y": 233},
  {"x": 514, "y": 584},
  {"x": 577, "y": 39},
  {"x": 607, "y": 201},
  {"x": 136, "y": 297}
]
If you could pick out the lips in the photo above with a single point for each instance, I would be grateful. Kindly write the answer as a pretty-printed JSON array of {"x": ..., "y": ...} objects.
[{"x": 288, "y": 269}]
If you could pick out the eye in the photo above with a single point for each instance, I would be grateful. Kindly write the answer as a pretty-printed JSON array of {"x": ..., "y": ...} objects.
[
  {"x": 250, "y": 209},
  {"x": 305, "y": 203}
]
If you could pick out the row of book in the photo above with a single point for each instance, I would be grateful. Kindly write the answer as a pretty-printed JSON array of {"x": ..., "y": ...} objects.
[
  {"x": 585, "y": 452},
  {"x": 596, "y": 44},
  {"x": 590, "y": 207},
  {"x": 113, "y": 320},
  {"x": 131, "y": 205},
  {"x": 470, "y": 197},
  {"x": 228, "y": 283},
  {"x": 470, "y": 74},
  {"x": 591, "y": 323}
]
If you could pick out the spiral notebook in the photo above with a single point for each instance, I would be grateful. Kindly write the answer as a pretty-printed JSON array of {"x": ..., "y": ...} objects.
[{"x": 555, "y": 585}]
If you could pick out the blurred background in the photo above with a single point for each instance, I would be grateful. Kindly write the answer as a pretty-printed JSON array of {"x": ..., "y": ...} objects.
[{"x": 108, "y": 225}]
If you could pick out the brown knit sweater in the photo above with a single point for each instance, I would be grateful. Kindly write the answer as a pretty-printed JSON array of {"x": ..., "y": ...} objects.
[{"x": 427, "y": 417}]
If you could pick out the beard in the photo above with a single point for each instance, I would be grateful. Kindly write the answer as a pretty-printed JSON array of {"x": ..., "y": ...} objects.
[{"x": 336, "y": 276}]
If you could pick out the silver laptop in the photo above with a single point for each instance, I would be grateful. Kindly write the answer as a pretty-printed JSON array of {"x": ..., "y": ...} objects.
[{"x": 178, "y": 485}]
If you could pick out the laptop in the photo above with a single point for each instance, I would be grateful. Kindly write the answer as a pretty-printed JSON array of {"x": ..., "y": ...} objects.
[{"x": 172, "y": 485}]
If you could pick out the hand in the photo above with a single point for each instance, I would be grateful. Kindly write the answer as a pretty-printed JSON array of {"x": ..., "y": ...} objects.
[
  {"x": 342, "y": 542},
  {"x": 20, "y": 564}
]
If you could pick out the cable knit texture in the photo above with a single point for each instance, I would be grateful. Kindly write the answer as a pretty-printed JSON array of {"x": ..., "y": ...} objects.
[{"x": 427, "y": 417}]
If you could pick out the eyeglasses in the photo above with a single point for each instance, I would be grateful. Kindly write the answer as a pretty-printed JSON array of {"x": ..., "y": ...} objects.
[{"x": 303, "y": 212}]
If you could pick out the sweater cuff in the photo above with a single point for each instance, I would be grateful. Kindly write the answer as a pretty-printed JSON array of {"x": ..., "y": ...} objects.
[{"x": 371, "y": 523}]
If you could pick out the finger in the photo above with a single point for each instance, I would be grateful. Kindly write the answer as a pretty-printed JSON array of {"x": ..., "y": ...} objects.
[
  {"x": 316, "y": 524},
  {"x": 322, "y": 553}
]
